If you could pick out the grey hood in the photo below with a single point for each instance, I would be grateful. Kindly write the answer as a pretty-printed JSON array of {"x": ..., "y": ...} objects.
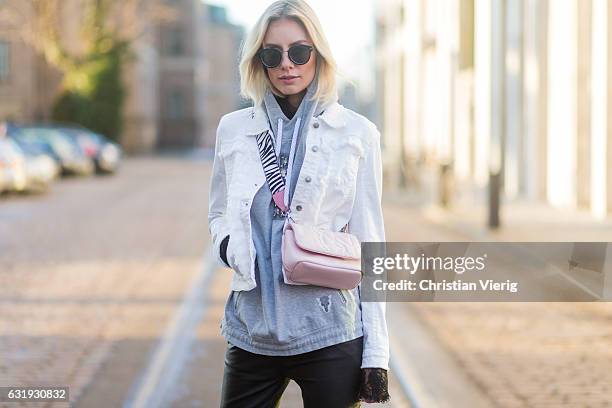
[{"x": 307, "y": 109}]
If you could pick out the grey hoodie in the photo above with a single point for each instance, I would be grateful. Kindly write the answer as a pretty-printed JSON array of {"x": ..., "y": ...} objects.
[{"x": 275, "y": 318}]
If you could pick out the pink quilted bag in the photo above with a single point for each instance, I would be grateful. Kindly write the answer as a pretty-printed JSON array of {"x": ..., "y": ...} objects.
[{"x": 313, "y": 256}]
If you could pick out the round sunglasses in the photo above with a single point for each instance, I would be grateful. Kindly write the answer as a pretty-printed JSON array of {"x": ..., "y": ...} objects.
[{"x": 299, "y": 54}]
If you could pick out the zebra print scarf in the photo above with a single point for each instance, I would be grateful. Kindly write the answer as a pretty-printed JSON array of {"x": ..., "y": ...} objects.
[{"x": 269, "y": 161}]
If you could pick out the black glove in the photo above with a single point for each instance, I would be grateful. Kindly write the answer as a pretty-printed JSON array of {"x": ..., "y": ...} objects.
[
  {"x": 374, "y": 385},
  {"x": 223, "y": 250}
]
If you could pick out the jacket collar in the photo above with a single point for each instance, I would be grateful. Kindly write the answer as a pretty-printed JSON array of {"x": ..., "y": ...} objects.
[{"x": 334, "y": 115}]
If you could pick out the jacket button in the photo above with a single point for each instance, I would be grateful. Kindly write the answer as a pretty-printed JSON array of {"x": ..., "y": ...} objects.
[
  {"x": 298, "y": 207},
  {"x": 315, "y": 125},
  {"x": 315, "y": 148},
  {"x": 308, "y": 179}
]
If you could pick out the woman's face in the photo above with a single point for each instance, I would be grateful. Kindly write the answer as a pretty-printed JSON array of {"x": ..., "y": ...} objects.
[{"x": 289, "y": 78}]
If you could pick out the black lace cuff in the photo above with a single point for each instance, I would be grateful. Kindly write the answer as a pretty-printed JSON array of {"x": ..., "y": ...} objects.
[{"x": 374, "y": 385}]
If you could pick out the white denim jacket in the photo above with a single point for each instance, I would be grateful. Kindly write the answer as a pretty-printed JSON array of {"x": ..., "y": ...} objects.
[{"x": 340, "y": 181}]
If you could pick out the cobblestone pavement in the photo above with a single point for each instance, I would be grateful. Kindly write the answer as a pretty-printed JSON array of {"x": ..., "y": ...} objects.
[
  {"x": 518, "y": 354},
  {"x": 93, "y": 270},
  {"x": 530, "y": 355}
]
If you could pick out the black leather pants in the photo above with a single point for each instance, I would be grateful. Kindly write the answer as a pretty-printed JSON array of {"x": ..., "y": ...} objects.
[{"x": 328, "y": 377}]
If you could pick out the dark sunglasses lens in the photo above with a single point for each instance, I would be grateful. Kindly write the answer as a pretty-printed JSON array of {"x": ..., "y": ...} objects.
[
  {"x": 299, "y": 54},
  {"x": 271, "y": 57}
]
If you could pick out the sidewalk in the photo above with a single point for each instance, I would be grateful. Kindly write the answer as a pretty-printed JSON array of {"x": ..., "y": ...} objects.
[
  {"x": 503, "y": 354},
  {"x": 519, "y": 221}
]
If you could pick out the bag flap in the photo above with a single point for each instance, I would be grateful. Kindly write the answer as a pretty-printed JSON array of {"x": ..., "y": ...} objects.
[{"x": 332, "y": 243}]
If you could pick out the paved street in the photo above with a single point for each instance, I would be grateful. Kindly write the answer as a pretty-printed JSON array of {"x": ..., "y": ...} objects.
[
  {"x": 94, "y": 276},
  {"x": 106, "y": 286}
]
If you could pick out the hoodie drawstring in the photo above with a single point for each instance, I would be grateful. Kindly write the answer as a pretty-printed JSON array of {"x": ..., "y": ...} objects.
[
  {"x": 290, "y": 166},
  {"x": 279, "y": 138}
]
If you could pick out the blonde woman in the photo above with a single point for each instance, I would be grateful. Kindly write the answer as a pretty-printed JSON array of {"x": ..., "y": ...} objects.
[{"x": 330, "y": 343}]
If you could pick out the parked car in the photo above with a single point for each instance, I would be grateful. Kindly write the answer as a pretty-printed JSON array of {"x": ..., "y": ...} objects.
[
  {"x": 12, "y": 166},
  {"x": 41, "y": 168},
  {"x": 105, "y": 154},
  {"x": 65, "y": 150}
]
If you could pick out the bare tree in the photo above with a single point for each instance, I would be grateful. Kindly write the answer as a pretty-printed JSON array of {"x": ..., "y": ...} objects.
[
  {"x": 92, "y": 60},
  {"x": 104, "y": 25}
]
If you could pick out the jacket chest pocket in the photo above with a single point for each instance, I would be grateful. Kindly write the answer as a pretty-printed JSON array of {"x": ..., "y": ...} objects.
[
  {"x": 243, "y": 166},
  {"x": 345, "y": 153}
]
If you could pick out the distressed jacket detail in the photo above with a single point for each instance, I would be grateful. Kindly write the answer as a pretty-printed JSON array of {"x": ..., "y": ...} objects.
[{"x": 343, "y": 163}]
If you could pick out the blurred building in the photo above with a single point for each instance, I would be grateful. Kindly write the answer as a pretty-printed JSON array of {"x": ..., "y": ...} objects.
[
  {"x": 24, "y": 94},
  {"x": 219, "y": 80},
  {"x": 183, "y": 77},
  {"x": 180, "y": 59},
  {"x": 349, "y": 97},
  {"x": 141, "y": 78},
  {"x": 517, "y": 88}
]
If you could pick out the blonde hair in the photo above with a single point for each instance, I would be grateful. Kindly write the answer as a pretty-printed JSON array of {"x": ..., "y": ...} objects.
[{"x": 253, "y": 76}]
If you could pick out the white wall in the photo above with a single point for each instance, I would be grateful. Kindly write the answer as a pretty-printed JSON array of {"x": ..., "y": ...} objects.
[{"x": 562, "y": 118}]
